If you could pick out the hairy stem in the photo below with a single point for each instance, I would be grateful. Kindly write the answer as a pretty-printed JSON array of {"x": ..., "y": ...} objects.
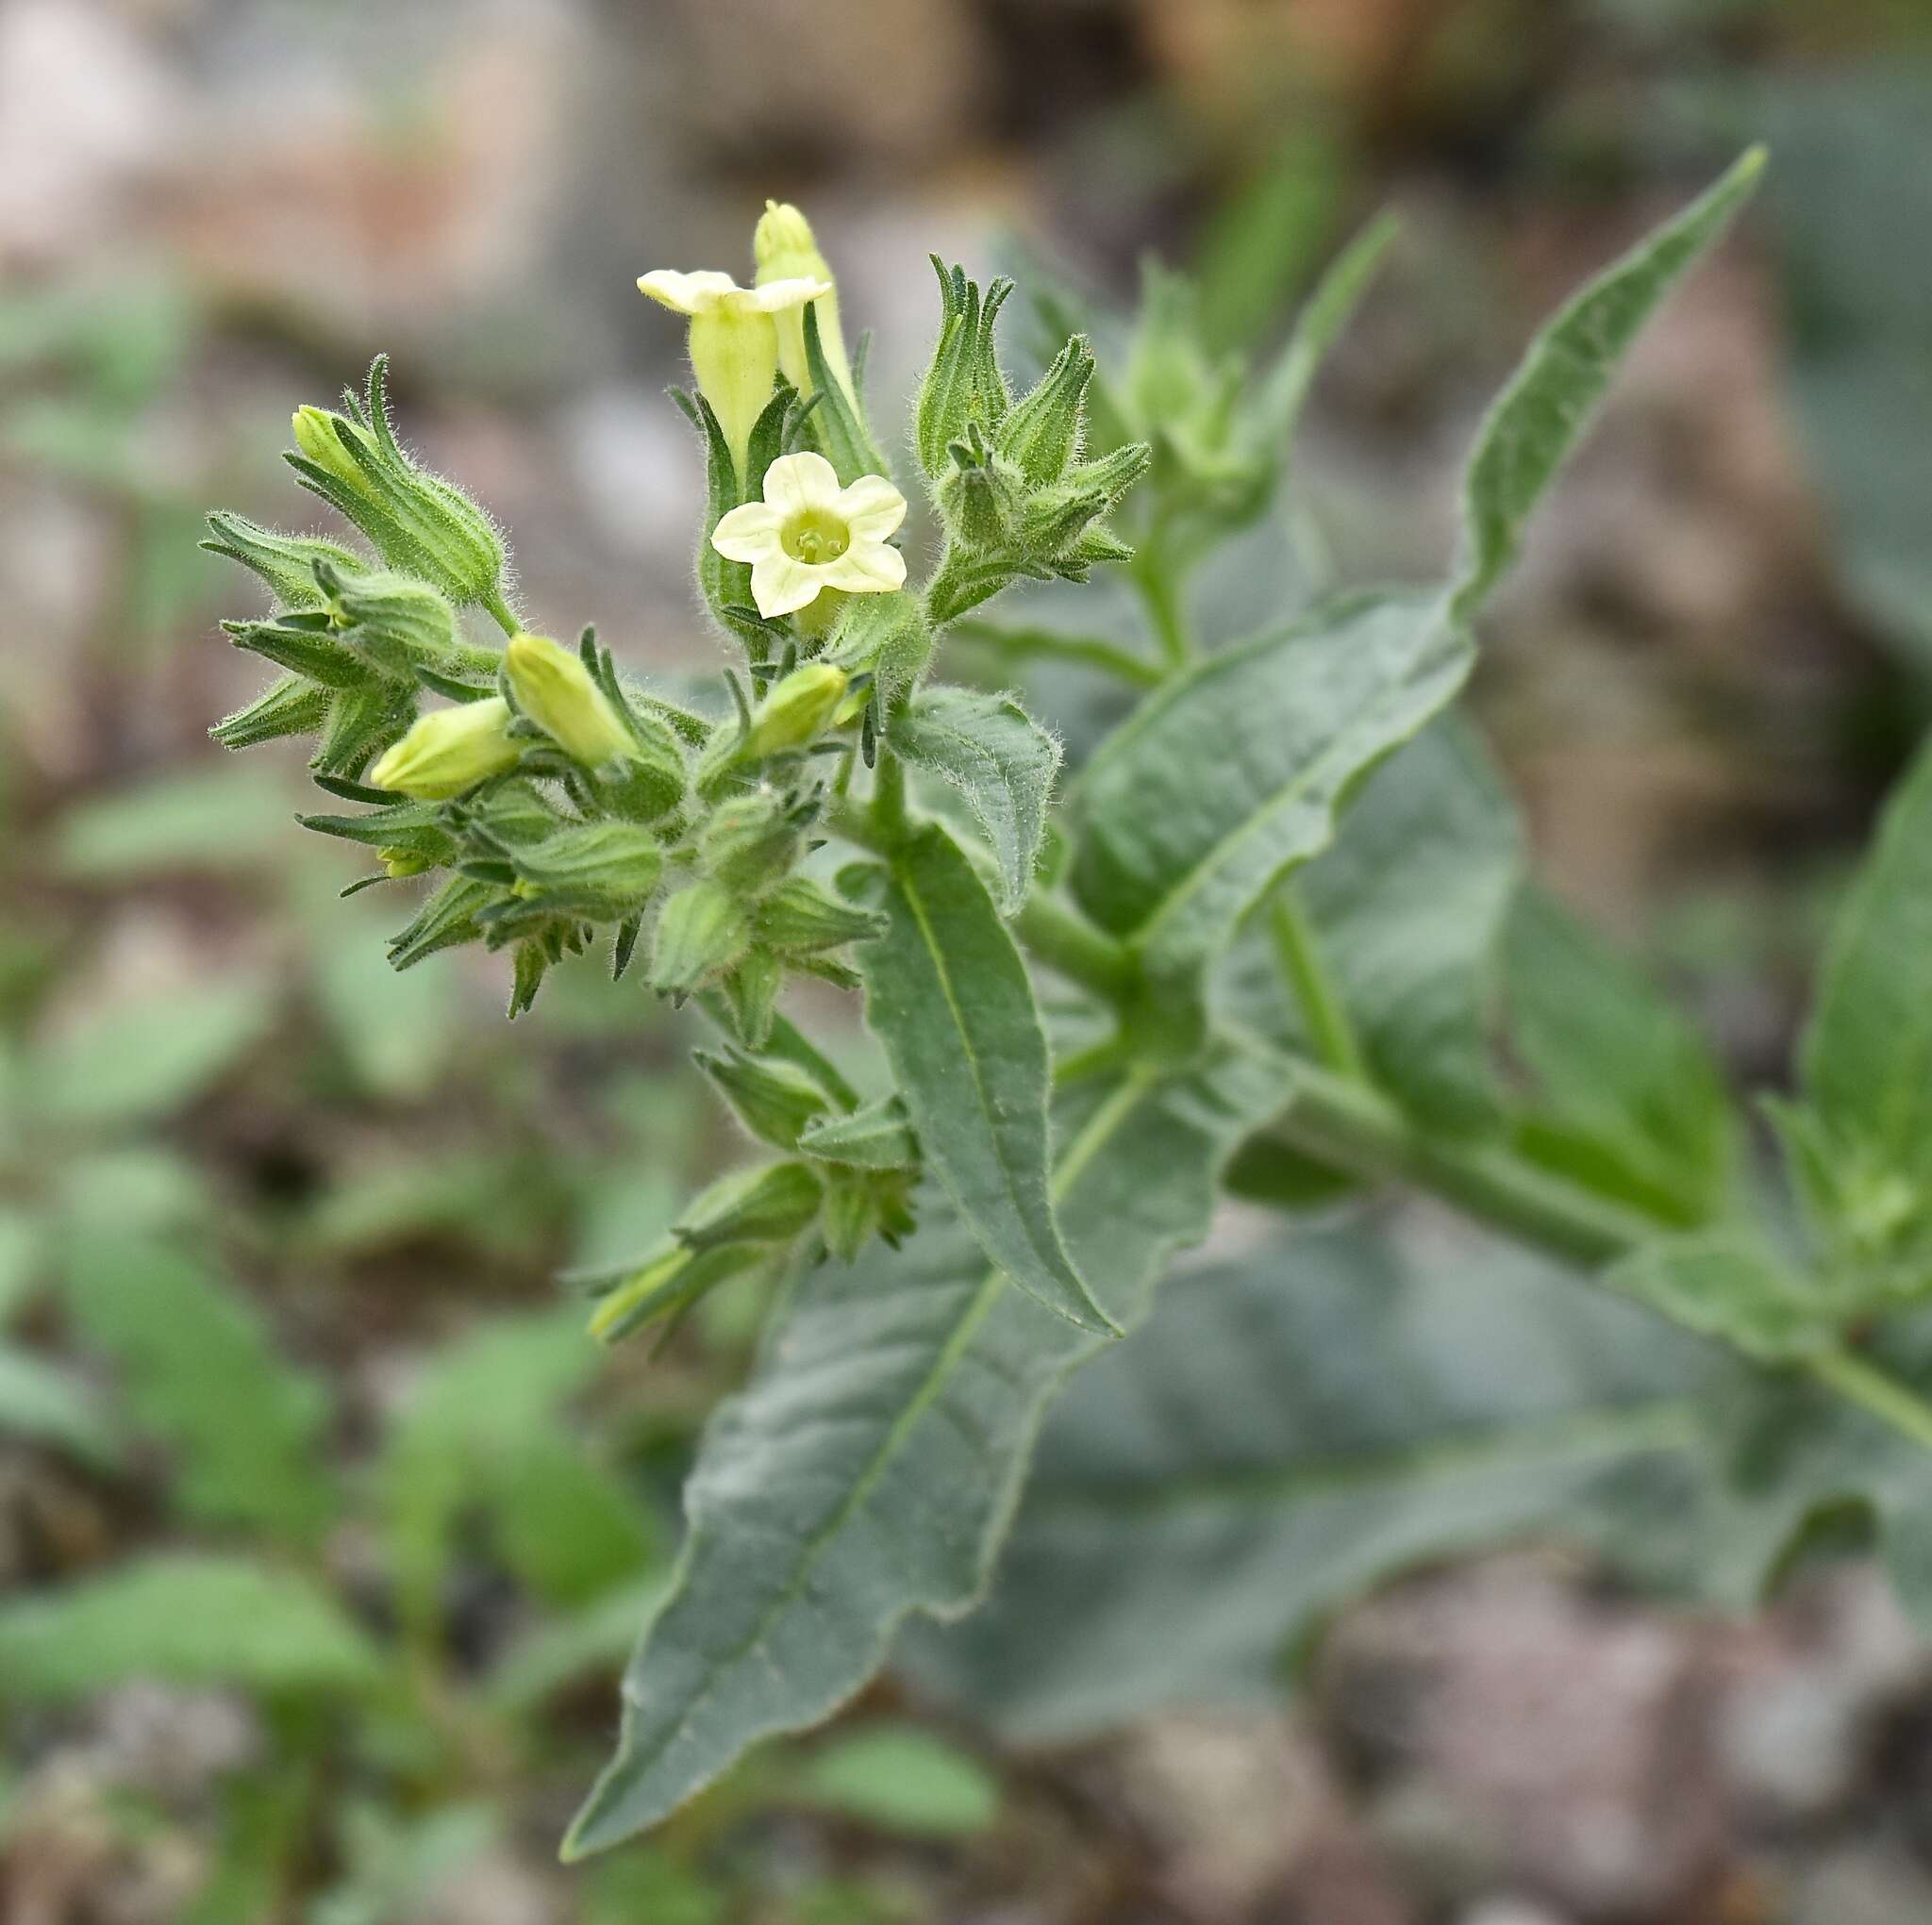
[{"x": 499, "y": 612}]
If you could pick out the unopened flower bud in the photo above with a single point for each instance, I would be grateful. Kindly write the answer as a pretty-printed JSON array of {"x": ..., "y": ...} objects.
[
  {"x": 802, "y": 918},
  {"x": 773, "y": 1100},
  {"x": 602, "y": 871},
  {"x": 794, "y": 714},
  {"x": 398, "y": 863},
  {"x": 450, "y": 751},
  {"x": 291, "y": 706},
  {"x": 702, "y": 931},
  {"x": 751, "y": 996},
  {"x": 786, "y": 250},
  {"x": 769, "y": 1206},
  {"x": 751, "y": 841},
  {"x": 561, "y": 696},
  {"x": 1043, "y": 432},
  {"x": 418, "y": 522},
  {"x": 981, "y": 495},
  {"x": 285, "y": 562},
  {"x": 963, "y": 384},
  {"x": 394, "y": 621},
  {"x": 1057, "y": 516},
  {"x": 878, "y": 1137}
]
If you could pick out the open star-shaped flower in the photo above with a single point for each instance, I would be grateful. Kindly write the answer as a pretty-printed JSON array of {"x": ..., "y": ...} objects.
[{"x": 809, "y": 534}]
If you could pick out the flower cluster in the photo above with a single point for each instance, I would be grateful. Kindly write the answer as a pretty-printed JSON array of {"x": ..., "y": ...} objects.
[{"x": 547, "y": 800}]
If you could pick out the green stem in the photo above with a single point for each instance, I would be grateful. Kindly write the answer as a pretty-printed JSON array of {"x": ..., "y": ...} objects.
[
  {"x": 499, "y": 610},
  {"x": 1349, "y": 1125},
  {"x": 889, "y": 798},
  {"x": 1090, "y": 651},
  {"x": 1331, "y": 1034},
  {"x": 1161, "y": 593},
  {"x": 1862, "y": 1380},
  {"x": 1354, "y": 1128}
]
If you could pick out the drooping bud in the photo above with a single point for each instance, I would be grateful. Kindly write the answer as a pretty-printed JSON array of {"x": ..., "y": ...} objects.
[
  {"x": 395, "y": 622},
  {"x": 878, "y": 1137},
  {"x": 795, "y": 713},
  {"x": 772, "y": 1099},
  {"x": 751, "y": 996},
  {"x": 285, "y": 562},
  {"x": 418, "y": 522},
  {"x": 768, "y": 1205},
  {"x": 446, "y": 920},
  {"x": 786, "y": 250},
  {"x": 560, "y": 694},
  {"x": 665, "y": 1283},
  {"x": 1043, "y": 432},
  {"x": 963, "y": 384},
  {"x": 802, "y": 918},
  {"x": 751, "y": 842},
  {"x": 293, "y": 706},
  {"x": 602, "y": 871},
  {"x": 702, "y": 931},
  {"x": 450, "y": 751}
]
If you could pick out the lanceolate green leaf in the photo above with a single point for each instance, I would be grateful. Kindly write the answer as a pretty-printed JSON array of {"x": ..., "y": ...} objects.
[
  {"x": 1628, "y": 1099},
  {"x": 1233, "y": 775},
  {"x": 1866, "y": 1060},
  {"x": 1543, "y": 413},
  {"x": 1287, "y": 1432},
  {"x": 1002, "y": 762},
  {"x": 871, "y": 1468},
  {"x": 1405, "y": 914},
  {"x": 947, "y": 993}
]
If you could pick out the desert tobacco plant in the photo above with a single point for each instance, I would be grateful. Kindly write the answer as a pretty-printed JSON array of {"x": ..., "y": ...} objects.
[{"x": 1268, "y": 939}]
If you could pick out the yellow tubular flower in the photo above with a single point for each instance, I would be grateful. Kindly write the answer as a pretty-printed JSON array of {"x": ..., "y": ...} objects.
[
  {"x": 555, "y": 689},
  {"x": 449, "y": 751},
  {"x": 785, "y": 249},
  {"x": 808, "y": 535},
  {"x": 734, "y": 340}
]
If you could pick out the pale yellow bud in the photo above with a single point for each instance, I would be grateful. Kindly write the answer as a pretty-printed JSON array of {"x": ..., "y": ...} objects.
[
  {"x": 450, "y": 751},
  {"x": 797, "y": 711},
  {"x": 317, "y": 438},
  {"x": 786, "y": 250},
  {"x": 555, "y": 691}
]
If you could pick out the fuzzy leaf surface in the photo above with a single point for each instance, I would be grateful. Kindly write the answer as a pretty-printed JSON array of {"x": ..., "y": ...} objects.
[
  {"x": 948, "y": 995},
  {"x": 1629, "y": 1100},
  {"x": 1001, "y": 761},
  {"x": 1288, "y": 1433},
  {"x": 870, "y": 1468},
  {"x": 1234, "y": 774},
  {"x": 1541, "y": 415}
]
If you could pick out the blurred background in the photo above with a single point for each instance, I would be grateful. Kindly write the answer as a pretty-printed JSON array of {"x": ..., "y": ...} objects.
[{"x": 322, "y": 1532}]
